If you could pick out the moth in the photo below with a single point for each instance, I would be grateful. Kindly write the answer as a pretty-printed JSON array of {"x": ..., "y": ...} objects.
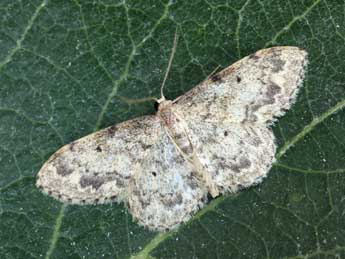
[{"x": 214, "y": 139}]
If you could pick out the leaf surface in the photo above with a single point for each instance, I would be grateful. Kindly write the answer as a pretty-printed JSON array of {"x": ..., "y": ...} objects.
[{"x": 68, "y": 68}]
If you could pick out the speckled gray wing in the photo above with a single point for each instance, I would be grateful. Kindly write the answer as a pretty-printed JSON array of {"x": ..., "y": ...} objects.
[
  {"x": 258, "y": 88},
  {"x": 97, "y": 168},
  {"x": 234, "y": 155},
  {"x": 164, "y": 192},
  {"x": 228, "y": 115},
  {"x": 135, "y": 162}
]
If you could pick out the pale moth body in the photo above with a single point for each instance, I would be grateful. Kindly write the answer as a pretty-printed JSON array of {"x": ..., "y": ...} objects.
[{"x": 214, "y": 139}]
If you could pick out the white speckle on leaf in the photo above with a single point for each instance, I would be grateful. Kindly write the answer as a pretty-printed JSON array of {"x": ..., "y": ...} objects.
[{"x": 215, "y": 139}]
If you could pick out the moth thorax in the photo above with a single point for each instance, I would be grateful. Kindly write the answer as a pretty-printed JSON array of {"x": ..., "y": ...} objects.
[
  {"x": 174, "y": 127},
  {"x": 163, "y": 105},
  {"x": 165, "y": 112}
]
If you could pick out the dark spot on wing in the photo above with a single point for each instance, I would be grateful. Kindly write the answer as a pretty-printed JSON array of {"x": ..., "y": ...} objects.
[
  {"x": 62, "y": 167},
  {"x": 273, "y": 89},
  {"x": 171, "y": 200},
  {"x": 268, "y": 101},
  {"x": 93, "y": 181},
  {"x": 154, "y": 173},
  {"x": 278, "y": 63},
  {"x": 216, "y": 78},
  {"x": 71, "y": 146},
  {"x": 98, "y": 149},
  {"x": 111, "y": 130},
  {"x": 244, "y": 162},
  {"x": 226, "y": 133},
  {"x": 144, "y": 146},
  {"x": 254, "y": 56},
  {"x": 238, "y": 79}
]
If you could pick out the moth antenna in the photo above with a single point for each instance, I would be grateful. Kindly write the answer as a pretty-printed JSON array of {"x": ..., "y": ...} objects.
[
  {"x": 212, "y": 73},
  {"x": 169, "y": 65}
]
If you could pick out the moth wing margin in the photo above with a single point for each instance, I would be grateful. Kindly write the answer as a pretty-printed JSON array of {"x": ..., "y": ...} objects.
[{"x": 97, "y": 168}]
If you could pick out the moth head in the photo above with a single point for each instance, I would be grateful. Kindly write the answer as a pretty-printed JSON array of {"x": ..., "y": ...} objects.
[{"x": 162, "y": 104}]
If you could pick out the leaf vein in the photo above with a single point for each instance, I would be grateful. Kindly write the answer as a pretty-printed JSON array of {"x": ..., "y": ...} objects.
[
  {"x": 125, "y": 74},
  {"x": 309, "y": 170},
  {"x": 56, "y": 231},
  {"x": 292, "y": 22},
  {"x": 19, "y": 42},
  {"x": 308, "y": 128},
  {"x": 238, "y": 27}
]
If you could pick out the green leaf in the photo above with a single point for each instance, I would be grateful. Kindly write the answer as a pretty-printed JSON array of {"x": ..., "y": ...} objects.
[{"x": 68, "y": 68}]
